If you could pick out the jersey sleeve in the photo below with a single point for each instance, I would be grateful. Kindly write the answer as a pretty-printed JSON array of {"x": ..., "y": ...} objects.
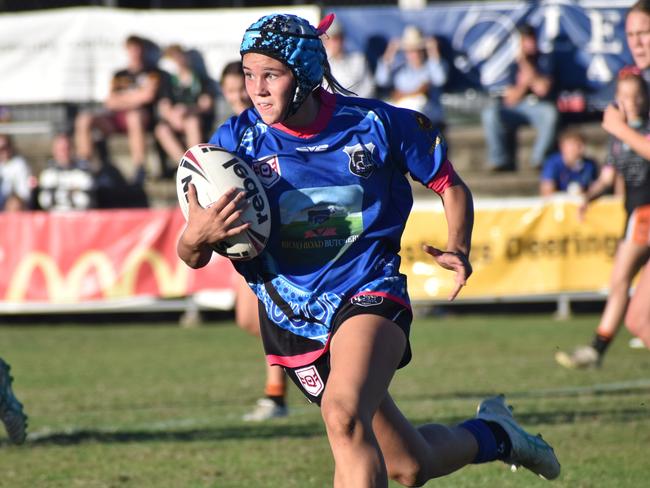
[
  {"x": 225, "y": 136},
  {"x": 416, "y": 145}
]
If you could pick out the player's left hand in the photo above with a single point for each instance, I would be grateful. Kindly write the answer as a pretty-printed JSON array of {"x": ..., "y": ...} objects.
[
  {"x": 453, "y": 261},
  {"x": 613, "y": 119}
]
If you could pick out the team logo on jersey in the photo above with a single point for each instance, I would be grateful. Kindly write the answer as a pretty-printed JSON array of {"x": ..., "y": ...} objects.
[
  {"x": 367, "y": 300},
  {"x": 318, "y": 148},
  {"x": 267, "y": 170},
  {"x": 361, "y": 162},
  {"x": 310, "y": 380}
]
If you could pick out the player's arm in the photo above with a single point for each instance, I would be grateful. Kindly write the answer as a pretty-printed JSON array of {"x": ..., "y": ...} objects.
[
  {"x": 614, "y": 123},
  {"x": 207, "y": 226},
  {"x": 459, "y": 213},
  {"x": 547, "y": 188}
]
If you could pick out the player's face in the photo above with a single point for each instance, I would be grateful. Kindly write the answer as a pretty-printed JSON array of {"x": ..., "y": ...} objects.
[
  {"x": 234, "y": 91},
  {"x": 270, "y": 84},
  {"x": 571, "y": 149},
  {"x": 637, "y": 32},
  {"x": 630, "y": 97}
]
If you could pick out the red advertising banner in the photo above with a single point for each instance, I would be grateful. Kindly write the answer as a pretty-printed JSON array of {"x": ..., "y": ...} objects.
[{"x": 100, "y": 255}]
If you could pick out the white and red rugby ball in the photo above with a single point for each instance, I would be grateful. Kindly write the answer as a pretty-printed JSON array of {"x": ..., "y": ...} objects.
[{"x": 213, "y": 170}]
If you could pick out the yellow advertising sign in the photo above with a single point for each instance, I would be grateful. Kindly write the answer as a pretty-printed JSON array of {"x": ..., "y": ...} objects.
[{"x": 520, "y": 247}]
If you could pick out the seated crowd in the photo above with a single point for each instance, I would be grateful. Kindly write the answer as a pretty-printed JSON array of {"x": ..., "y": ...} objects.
[{"x": 173, "y": 104}]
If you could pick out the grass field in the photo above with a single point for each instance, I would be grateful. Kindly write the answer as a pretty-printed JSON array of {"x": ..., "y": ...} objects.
[{"x": 154, "y": 405}]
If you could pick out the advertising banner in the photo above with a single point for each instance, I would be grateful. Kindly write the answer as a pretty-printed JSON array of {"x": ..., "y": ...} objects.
[
  {"x": 70, "y": 55},
  {"x": 95, "y": 256},
  {"x": 520, "y": 248}
]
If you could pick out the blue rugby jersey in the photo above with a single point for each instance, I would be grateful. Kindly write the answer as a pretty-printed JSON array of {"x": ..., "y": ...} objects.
[{"x": 339, "y": 202}]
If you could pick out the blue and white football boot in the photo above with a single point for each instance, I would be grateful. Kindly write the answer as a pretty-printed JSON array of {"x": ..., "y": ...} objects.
[{"x": 11, "y": 410}]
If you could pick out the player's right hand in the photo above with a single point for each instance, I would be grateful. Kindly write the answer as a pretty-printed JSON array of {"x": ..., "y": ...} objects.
[{"x": 217, "y": 221}]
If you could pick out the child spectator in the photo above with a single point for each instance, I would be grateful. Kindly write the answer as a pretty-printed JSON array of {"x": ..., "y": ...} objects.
[
  {"x": 15, "y": 176},
  {"x": 568, "y": 170},
  {"x": 186, "y": 112},
  {"x": 233, "y": 88},
  {"x": 66, "y": 183},
  {"x": 129, "y": 108}
]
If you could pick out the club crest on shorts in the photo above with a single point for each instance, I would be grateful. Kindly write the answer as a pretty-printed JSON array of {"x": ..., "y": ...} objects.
[
  {"x": 310, "y": 380},
  {"x": 267, "y": 170},
  {"x": 366, "y": 300},
  {"x": 361, "y": 162}
]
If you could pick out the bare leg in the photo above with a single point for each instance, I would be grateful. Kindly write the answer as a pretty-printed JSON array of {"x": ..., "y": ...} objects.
[
  {"x": 365, "y": 352},
  {"x": 192, "y": 128},
  {"x": 414, "y": 456},
  {"x": 83, "y": 135},
  {"x": 637, "y": 318},
  {"x": 369, "y": 436},
  {"x": 627, "y": 262},
  {"x": 169, "y": 142},
  {"x": 135, "y": 124}
]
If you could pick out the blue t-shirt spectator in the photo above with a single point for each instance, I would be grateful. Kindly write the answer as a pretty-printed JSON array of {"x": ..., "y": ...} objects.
[{"x": 582, "y": 173}]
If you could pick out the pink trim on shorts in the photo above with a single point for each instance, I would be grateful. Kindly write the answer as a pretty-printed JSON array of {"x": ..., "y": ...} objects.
[{"x": 298, "y": 360}]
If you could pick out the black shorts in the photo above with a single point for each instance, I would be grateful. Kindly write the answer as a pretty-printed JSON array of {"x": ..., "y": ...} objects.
[{"x": 312, "y": 378}]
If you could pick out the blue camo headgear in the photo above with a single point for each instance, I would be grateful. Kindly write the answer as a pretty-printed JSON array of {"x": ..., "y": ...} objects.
[{"x": 294, "y": 42}]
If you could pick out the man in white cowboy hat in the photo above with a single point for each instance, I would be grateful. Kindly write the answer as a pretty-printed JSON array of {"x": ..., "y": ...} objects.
[
  {"x": 416, "y": 82},
  {"x": 350, "y": 68}
]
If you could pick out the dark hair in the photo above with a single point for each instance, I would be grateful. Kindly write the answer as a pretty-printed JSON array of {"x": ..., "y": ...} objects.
[
  {"x": 571, "y": 133},
  {"x": 632, "y": 73},
  {"x": 333, "y": 83},
  {"x": 642, "y": 6},
  {"x": 526, "y": 30},
  {"x": 9, "y": 139},
  {"x": 232, "y": 68},
  {"x": 135, "y": 40}
]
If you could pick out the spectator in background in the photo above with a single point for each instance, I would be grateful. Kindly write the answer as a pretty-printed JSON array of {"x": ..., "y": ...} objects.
[
  {"x": 15, "y": 176},
  {"x": 66, "y": 183},
  {"x": 568, "y": 170},
  {"x": 273, "y": 404},
  {"x": 130, "y": 107},
  {"x": 632, "y": 165},
  {"x": 351, "y": 69},
  {"x": 233, "y": 88},
  {"x": 186, "y": 111},
  {"x": 416, "y": 82},
  {"x": 526, "y": 100}
]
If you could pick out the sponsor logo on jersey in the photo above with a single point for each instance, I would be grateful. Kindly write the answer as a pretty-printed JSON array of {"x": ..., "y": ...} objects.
[
  {"x": 361, "y": 161},
  {"x": 268, "y": 170},
  {"x": 319, "y": 148},
  {"x": 367, "y": 300},
  {"x": 310, "y": 380}
]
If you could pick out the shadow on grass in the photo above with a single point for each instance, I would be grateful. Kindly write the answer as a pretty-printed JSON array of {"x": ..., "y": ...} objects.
[
  {"x": 308, "y": 430},
  {"x": 241, "y": 432},
  {"x": 627, "y": 388},
  {"x": 560, "y": 417}
]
